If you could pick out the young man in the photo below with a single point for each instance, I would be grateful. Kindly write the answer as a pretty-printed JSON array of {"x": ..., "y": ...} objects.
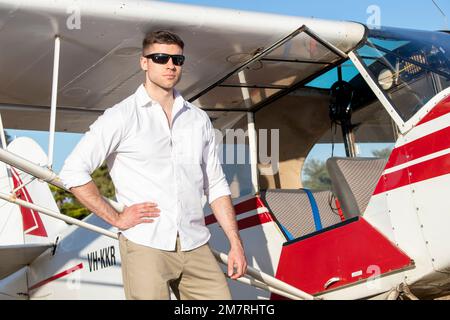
[{"x": 161, "y": 154}]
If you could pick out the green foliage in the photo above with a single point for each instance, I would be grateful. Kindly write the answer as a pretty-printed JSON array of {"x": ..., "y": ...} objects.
[
  {"x": 103, "y": 181},
  {"x": 316, "y": 174},
  {"x": 382, "y": 153},
  {"x": 70, "y": 206}
]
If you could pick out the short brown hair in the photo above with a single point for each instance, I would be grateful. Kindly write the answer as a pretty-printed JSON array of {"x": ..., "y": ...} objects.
[{"x": 162, "y": 37}]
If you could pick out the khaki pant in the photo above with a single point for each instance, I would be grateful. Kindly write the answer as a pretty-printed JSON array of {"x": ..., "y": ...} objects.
[{"x": 148, "y": 273}]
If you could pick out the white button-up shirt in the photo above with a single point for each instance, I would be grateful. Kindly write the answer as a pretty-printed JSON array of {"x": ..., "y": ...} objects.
[{"x": 148, "y": 161}]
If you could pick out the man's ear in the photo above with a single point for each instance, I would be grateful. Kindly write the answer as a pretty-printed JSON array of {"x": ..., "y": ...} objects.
[{"x": 144, "y": 63}]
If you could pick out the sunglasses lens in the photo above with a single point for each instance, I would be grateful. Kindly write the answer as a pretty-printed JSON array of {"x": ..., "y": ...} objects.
[
  {"x": 178, "y": 60},
  {"x": 163, "y": 58},
  {"x": 160, "y": 58}
]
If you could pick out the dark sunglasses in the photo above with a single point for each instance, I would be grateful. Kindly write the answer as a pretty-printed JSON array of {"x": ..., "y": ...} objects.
[{"x": 163, "y": 58}]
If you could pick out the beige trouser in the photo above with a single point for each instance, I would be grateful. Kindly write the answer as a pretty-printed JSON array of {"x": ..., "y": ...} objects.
[{"x": 148, "y": 273}]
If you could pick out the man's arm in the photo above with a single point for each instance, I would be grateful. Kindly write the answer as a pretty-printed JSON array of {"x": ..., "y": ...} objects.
[
  {"x": 89, "y": 196},
  {"x": 223, "y": 210},
  {"x": 101, "y": 140},
  {"x": 218, "y": 192}
]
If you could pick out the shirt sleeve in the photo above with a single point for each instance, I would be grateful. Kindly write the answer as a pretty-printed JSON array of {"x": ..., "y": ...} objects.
[
  {"x": 95, "y": 146},
  {"x": 215, "y": 184}
]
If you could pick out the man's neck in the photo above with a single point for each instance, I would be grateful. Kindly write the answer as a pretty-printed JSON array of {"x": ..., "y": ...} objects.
[{"x": 164, "y": 97}]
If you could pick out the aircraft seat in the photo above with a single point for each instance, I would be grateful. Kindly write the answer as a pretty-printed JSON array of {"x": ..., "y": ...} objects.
[
  {"x": 301, "y": 211},
  {"x": 353, "y": 181}
]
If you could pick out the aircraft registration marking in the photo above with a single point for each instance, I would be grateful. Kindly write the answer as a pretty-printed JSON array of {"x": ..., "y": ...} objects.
[{"x": 103, "y": 258}]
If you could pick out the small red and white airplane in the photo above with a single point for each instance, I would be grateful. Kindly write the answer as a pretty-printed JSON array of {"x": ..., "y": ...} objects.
[{"x": 380, "y": 232}]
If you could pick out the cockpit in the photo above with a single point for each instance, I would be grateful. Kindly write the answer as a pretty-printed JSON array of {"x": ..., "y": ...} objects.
[{"x": 358, "y": 102}]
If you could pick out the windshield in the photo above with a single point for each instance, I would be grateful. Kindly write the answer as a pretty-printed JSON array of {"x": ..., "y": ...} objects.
[{"x": 409, "y": 66}]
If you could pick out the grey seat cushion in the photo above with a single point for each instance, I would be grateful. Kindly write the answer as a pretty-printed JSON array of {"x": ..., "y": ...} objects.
[
  {"x": 292, "y": 209},
  {"x": 353, "y": 181}
]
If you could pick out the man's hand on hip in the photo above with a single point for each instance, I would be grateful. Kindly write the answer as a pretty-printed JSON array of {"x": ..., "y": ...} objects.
[{"x": 136, "y": 214}]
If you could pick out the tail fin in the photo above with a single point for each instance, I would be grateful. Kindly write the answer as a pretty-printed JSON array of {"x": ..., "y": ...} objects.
[{"x": 20, "y": 225}]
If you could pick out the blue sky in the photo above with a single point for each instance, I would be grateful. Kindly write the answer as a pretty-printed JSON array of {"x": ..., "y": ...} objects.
[{"x": 418, "y": 14}]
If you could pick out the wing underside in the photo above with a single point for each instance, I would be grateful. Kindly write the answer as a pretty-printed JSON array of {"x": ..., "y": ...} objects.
[{"x": 100, "y": 48}]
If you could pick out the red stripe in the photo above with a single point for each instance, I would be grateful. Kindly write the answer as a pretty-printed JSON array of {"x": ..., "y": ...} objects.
[
  {"x": 243, "y": 207},
  {"x": 419, "y": 172},
  {"x": 442, "y": 108},
  {"x": 248, "y": 205},
  {"x": 240, "y": 208},
  {"x": 339, "y": 209},
  {"x": 57, "y": 276},
  {"x": 426, "y": 145},
  {"x": 30, "y": 218},
  {"x": 210, "y": 219},
  {"x": 255, "y": 220}
]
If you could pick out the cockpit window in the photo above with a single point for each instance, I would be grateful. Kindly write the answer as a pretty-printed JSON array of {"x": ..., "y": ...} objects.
[
  {"x": 326, "y": 80},
  {"x": 409, "y": 66}
]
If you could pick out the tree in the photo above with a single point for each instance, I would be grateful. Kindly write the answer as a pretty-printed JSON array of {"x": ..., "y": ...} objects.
[
  {"x": 316, "y": 174},
  {"x": 382, "y": 153},
  {"x": 70, "y": 206}
]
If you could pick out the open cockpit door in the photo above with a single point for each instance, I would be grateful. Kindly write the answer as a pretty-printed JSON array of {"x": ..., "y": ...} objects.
[
  {"x": 270, "y": 73},
  {"x": 264, "y": 77}
]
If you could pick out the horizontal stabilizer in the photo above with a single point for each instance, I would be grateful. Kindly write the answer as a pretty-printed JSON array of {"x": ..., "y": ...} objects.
[{"x": 15, "y": 257}]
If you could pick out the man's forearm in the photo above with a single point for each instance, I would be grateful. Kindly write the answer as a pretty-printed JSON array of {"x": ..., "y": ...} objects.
[
  {"x": 89, "y": 196},
  {"x": 224, "y": 212}
]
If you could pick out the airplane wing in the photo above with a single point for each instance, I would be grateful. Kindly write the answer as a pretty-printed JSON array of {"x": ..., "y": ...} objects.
[
  {"x": 15, "y": 257},
  {"x": 101, "y": 44}
]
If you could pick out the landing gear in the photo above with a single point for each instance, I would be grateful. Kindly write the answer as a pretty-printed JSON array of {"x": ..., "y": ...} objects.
[{"x": 401, "y": 292}]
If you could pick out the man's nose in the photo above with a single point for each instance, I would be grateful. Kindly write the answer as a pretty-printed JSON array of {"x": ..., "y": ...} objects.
[{"x": 170, "y": 64}]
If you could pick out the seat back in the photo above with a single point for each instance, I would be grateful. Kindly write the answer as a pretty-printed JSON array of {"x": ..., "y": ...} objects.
[
  {"x": 299, "y": 213},
  {"x": 353, "y": 181}
]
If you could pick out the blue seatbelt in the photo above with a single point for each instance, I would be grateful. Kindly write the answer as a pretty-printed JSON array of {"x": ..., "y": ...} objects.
[
  {"x": 315, "y": 209},
  {"x": 289, "y": 236}
]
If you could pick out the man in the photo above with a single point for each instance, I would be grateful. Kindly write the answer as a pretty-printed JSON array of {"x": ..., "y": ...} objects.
[{"x": 161, "y": 154}]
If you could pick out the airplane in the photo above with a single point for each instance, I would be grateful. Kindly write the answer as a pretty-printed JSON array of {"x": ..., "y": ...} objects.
[{"x": 379, "y": 232}]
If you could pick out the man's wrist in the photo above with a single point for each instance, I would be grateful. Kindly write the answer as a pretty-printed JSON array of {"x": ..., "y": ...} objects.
[
  {"x": 115, "y": 219},
  {"x": 236, "y": 243}
]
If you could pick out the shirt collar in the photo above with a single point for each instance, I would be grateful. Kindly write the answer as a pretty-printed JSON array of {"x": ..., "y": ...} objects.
[{"x": 144, "y": 100}]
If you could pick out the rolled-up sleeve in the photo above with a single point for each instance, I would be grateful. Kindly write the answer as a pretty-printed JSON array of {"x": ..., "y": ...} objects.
[
  {"x": 97, "y": 144},
  {"x": 215, "y": 184}
]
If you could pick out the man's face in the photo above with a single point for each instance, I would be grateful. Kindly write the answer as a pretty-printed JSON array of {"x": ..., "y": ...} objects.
[{"x": 166, "y": 75}]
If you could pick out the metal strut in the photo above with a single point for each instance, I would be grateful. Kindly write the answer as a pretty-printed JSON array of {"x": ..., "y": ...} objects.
[{"x": 51, "y": 137}]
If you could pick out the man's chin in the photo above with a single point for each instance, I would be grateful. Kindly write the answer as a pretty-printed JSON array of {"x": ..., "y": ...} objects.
[{"x": 169, "y": 85}]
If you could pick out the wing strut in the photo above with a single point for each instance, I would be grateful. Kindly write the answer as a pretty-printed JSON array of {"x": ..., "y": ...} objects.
[
  {"x": 253, "y": 145},
  {"x": 51, "y": 138}
]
